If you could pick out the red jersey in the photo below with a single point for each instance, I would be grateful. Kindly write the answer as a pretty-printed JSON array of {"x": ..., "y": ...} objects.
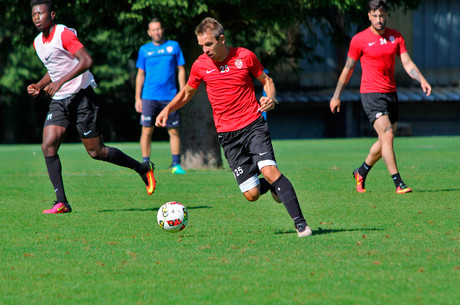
[
  {"x": 230, "y": 88},
  {"x": 377, "y": 55}
]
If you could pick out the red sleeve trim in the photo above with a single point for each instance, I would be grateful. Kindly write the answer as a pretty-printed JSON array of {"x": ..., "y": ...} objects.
[{"x": 70, "y": 41}]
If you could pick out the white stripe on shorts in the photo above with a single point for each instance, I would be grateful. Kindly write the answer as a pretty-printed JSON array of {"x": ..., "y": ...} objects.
[
  {"x": 249, "y": 184},
  {"x": 264, "y": 163}
]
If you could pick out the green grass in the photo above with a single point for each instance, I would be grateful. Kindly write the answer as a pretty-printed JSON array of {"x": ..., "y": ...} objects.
[{"x": 372, "y": 248}]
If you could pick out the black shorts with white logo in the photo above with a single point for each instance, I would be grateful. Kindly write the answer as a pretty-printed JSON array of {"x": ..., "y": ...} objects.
[
  {"x": 151, "y": 109},
  {"x": 377, "y": 104},
  {"x": 80, "y": 109},
  {"x": 248, "y": 149}
]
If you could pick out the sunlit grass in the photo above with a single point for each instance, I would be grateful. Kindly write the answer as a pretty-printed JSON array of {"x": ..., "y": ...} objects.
[{"x": 372, "y": 248}]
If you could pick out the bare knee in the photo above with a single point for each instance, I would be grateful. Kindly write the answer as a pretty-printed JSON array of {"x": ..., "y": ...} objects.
[
  {"x": 95, "y": 154},
  {"x": 48, "y": 150},
  {"x": 253, "y": 194},
  {"x": 173, "y": 132},
  {"x": 96, "y": 148},
  {"x": 388, "y": 134}
]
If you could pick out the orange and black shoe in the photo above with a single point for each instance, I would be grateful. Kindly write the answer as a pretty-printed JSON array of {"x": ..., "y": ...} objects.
[
  {"x": 59, "y": 208},
  {"x": 403, "y": 189},
  {"x": 148, "y": 177},
  {"x": 359, "y": 182}
]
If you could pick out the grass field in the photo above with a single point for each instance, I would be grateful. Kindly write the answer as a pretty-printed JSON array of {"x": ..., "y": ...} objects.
[{"x": 372, "y": 248}]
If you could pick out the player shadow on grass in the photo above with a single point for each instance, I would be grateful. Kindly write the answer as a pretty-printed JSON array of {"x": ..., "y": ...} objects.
[
  {"x": 148, "y": 210},
  {"x": 321, "y": 231},
  {"x": 438, "y": 191}
]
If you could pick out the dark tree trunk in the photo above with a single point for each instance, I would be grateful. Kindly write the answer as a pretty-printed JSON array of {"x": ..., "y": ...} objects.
[{"x": 199, "y": 145}]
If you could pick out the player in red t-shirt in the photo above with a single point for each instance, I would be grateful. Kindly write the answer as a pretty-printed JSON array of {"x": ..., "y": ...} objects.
[
  {"x": 377, "y": 48},
  {"x": 70, "y": 85},
  {"x": 242, "y": 131}
]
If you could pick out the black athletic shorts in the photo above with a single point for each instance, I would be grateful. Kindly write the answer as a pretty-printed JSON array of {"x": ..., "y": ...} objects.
[
  {"x": 248, "y": 150},
  {"x": 151, "y": 109},
  {"x": 80, "y": 109},
  {"x": 377, "y": 104}
]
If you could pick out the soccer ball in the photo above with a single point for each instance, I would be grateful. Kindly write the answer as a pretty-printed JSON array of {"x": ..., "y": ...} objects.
[{"x": 172, "y": 217}]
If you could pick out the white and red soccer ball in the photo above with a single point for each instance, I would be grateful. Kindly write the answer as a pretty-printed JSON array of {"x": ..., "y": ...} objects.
[{"x": 172, "y": 217}]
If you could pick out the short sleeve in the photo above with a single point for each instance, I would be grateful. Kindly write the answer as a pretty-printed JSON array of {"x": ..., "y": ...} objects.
[
  {"x": 140, "y": 60},
  {"x": 254, "y": 65},
  {"x": 70, "y": 41},
  {"x": 355, "y": 51},
  {"x": 180, "y": 57},
  {"x": 402, "y": 45},
  {"x": 195, "y": 78}
]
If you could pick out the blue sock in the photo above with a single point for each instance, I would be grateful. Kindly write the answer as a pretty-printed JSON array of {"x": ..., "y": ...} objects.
[
  {"x": 175, "y": 159},
  {"x": 145, "y": 159}
]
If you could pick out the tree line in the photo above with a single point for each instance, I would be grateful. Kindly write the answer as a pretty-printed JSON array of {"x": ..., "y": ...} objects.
[{"x": 279, "y": 32}]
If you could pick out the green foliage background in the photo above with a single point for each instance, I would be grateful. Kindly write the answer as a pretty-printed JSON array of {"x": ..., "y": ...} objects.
[{"x": 113, "y": 31}]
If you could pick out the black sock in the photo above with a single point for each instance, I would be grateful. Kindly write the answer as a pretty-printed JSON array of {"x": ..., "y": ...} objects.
[
  {"x": 286, "y": 193},
  {"x": 364, "y": 170},
  {"x": 119, "y": 158},
  {"x": 264, "y": 186},
  {"x": 397, "y": 179},
  {"x": 53, "y": 164}
]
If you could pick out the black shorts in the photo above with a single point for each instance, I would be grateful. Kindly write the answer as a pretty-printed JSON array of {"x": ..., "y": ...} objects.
[
  {"x": 377, "y": 104},
  {"x": 247, "y": 151},
  {"x": 80, "y": 109},
  {"x": 151, "y": 109}
]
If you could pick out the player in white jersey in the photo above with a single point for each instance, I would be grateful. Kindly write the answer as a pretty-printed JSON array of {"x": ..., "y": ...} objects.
[{"x": 70, "y": 84}]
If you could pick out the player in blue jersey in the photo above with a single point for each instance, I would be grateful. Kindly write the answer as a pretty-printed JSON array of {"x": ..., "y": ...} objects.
[{"x": 159, "y": 63}]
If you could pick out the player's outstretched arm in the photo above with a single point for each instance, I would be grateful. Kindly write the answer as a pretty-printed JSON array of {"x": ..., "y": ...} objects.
[
  {"x": 343, "y": 81},
  {"x": 179, "y": 101},
  {"x": 415, "y": 73},
  {"x": 267, "y": 102}
]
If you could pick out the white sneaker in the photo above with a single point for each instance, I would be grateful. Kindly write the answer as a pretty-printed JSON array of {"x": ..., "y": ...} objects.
[{"x": 303, "y": 230}]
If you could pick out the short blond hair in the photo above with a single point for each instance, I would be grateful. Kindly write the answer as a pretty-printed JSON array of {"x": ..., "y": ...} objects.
[{"x": 210, "y": 24}]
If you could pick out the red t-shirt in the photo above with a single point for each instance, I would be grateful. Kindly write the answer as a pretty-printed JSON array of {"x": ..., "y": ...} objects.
[
  {"x": 377, "y": 55},
  {"x": 229, "y": 87}
]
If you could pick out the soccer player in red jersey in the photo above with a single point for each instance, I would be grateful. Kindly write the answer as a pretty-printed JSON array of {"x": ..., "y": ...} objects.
[
  {"x": 377, "y": 47},
  {"x": 70, "y": 84},
  {"x": 242, "y": 131}
]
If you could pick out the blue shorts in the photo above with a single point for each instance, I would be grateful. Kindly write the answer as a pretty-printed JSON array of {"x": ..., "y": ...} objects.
[{"x": 151, "y": 109}]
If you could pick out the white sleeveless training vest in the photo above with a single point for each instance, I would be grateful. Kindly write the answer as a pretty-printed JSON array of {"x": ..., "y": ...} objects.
[{"x": 59, "y": 62}]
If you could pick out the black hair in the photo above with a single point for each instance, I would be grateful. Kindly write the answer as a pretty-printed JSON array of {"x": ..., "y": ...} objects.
[
  {"x": 155, "y": 19},
  {"x": 48, "y": 3},
  {"x": 380, "y": 5}
]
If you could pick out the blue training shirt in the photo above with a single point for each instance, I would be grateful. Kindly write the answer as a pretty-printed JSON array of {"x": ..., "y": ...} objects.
[{"x": 160, "y": 65}]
